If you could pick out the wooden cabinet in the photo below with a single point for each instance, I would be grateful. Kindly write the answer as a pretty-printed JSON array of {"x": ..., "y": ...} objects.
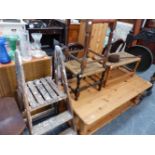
[
  {"x": 34, "y": 69},
  {"x": 74, "y": 32}
]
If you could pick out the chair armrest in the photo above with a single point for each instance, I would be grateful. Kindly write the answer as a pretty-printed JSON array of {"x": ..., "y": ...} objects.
[
  {"x": 96, "y": 53},
  {"x": 74, "y": 57}
]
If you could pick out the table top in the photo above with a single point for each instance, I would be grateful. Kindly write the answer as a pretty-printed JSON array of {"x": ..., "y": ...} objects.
[
  {"x": 12, "y": 63},
  {"x": 125, "y": 58}
]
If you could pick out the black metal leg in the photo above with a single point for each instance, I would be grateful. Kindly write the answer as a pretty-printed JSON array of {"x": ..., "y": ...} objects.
[
  {"x": 77, "y": 90},
  {"x": 101, "y": 81}
]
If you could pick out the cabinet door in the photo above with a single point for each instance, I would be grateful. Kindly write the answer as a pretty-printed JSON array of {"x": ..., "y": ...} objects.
[{"x": 74, "y": 33}]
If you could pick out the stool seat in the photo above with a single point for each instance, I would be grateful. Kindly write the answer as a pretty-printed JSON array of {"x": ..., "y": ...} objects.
[
  {"x": 11, "y": 121},
  {"x": 91, "y": 68}
]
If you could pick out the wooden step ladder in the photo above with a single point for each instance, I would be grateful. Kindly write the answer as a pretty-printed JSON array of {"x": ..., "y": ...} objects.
[{"x": 42, "y": 96}]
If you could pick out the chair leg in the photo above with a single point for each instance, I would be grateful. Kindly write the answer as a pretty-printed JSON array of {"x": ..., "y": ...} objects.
[
  {"x": 101, "y": 81},
  {"x": 77, "y": 90},
  {"x": 29, "y": 123}
]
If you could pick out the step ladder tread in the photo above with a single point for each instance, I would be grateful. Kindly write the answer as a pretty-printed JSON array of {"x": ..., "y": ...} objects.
[
  {"x": 51, "y": 123},
  {"x": 68, "y": 131},
  {"x": 43, "y": 92}
]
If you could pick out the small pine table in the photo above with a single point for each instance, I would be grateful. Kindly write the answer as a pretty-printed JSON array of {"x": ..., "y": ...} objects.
[{"x": 125, "y": 72}]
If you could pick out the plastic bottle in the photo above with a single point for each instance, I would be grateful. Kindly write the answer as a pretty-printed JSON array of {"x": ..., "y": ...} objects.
[
  {"x": 24, "y": 46},
  {"x": 4, "y": 57}
]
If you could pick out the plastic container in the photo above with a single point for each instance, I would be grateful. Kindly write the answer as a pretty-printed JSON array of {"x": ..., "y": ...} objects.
[
  {"x": 4, "y": 57},
  {"x": 24, "y": 46},
  {"x": 12, "y": 40}
]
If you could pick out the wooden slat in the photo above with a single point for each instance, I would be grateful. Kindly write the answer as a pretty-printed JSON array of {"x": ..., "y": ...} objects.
[
  {"x": 43, "y": 114},
  {"x": 35, "y": 92},
  {"x": 31, "y": 98},
  {"x": 42, "y": 90},
  {"x": 51, "y": 123},
  {"x": 54, "y": 87},
  {"x": 48, "y": 88}
]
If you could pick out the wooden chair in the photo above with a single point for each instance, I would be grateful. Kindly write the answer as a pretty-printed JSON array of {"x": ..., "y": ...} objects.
[
  {"x": 11, "y": 121},
  {"x": 42, "y": 96},
  {"x": 86, "y": 65}
]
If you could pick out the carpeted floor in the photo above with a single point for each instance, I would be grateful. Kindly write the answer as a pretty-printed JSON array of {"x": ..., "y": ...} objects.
[{"x": 139, "y": 120}]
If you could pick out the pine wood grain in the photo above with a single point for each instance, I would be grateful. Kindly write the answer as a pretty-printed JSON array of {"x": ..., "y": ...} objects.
[{"x": 98, "y": 37}]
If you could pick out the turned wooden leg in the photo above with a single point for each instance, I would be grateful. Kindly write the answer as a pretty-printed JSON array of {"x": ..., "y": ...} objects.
[
  {"x": 107, "y": 72},
  {"x": 101, "y": 81}
]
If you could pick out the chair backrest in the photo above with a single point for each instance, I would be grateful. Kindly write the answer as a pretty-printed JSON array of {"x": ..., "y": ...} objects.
[
  {"x": 112, "y": 24},
  {"x": 88, "y": 31},
  {"x": 98, "y": 35}
]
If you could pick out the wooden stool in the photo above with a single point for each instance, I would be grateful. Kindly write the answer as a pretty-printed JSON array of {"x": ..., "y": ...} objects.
[{"x": 11, "y": 121}]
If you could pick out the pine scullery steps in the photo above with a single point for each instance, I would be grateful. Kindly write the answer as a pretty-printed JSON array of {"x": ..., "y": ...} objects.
[{"x": 40, "y": 97}]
